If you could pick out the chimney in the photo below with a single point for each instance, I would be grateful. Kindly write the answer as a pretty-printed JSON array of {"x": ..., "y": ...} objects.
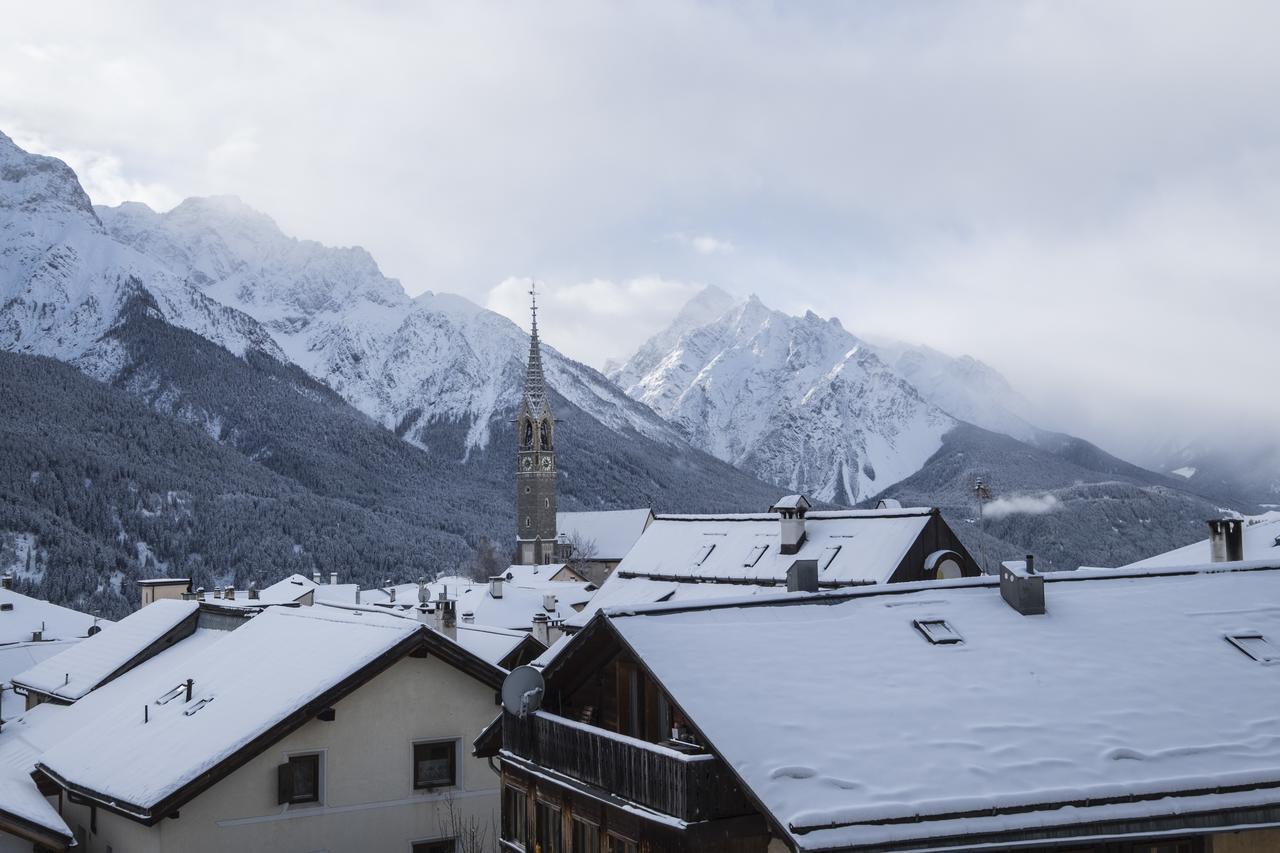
[
  {"x": 549, "y": 602},
  {"x": 447, "y": 619},
  {"x": 200, "y": 593},
  {"x": 253, "y": 590},
  {"x": 1022, "y": 589},
  {"x": 803, "y": 576},
  {"x": 495, "y": 585},
  {"x": 217, "y": 592},
  {"x": 542, "y": 629},
  {"x": 1226, "y": 540},
  {"x": 231, "y": 593},
  {"x": 37, "y": 636},
  {"x": 791, "y": 511},
  {"x": 6, "y": 581},
  {"x": 315, "y": 577},
  {"x": 333, "y": 578}
]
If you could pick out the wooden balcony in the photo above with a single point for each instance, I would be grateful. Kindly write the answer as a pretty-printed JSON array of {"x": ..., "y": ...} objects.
[{"x": 689, "y": 787}]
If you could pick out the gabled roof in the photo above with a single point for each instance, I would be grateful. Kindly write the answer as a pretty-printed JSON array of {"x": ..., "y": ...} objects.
[
  {"x": 611, "y": 532},
  {"x": 92, "y": 662},
  {"x": 251, "y": 688},
  {"x": 1261, "y": 539},
  {"x": 851, "y": 729},
  {"x": 689, "y": 556},
  {"x": 29, "y": 614}
]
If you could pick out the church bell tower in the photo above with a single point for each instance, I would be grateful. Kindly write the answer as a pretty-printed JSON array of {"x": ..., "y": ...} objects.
[{"x": 535, "y": 460}]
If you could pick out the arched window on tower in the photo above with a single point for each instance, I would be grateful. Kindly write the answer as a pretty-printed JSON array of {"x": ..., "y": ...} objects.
[
  {"x": 528, "y": 434},
  {"x": 546, "y": 436}
]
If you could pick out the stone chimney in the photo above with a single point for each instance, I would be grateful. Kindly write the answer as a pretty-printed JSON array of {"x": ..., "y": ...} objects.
[
  {"x": 495, "y": 585},
  {"x": 315, "y": 577},
  {"x": 542, "y": 628},
  {"x": 333, "y": 578},
  {"x": 231, "y": 593},
  {"x": 1226, "y": 540},
  {"x": 1021, "y": 588},
  {"x": 447, "y": 618},
  {"x": 803, "y": 576},
  {"x": 791, "y": 511},
  {"x": 253, "y": 590}
]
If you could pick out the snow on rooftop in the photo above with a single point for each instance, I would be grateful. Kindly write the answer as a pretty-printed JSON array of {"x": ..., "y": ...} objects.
[
  {"x": 521, "y": 599},
  {"x": 245, "y": 683},
  {"x": 488, "y": 643},
  {"x": 611, "y": 532},
  {"x": 74, "y": 672},
  {"x": 32, "y": 614},
  {"x": 1128, "y": 686},
  {"x": 1261, "y": 536}
]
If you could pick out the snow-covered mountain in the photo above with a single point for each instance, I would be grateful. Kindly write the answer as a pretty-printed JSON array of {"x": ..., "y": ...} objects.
[
  {"x": 64, "y": 280},
  {"x": 408, "y": 363},
  {"x": 795, "y": 400}
]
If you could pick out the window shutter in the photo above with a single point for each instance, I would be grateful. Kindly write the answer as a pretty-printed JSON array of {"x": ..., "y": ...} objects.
[{"x": 284, "y": 783}]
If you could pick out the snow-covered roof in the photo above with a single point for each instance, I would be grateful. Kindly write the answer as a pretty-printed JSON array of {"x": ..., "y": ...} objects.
[
  {"x": 245, "y": 684},
  {"x": 520, "y": 600},
  {"x": 611, "y": 532},
  {"x": 1261, "y": 537},
  {"x": 32, "y": 614},
  {"x": 491, "y": 644},
  {"x": 852, "y": 728},
  {"x": 93, "y": 661},
  {"x": 16, "y": 658},
  {"x": 691, "y": 555}
]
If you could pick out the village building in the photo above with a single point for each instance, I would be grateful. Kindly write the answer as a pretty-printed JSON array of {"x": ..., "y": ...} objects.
[
  {"x": 1091, "y": 712},
  {"x": 598, "y": 541},
  {"x": 1230, "y": 540},
  {"x": 263, "y": 727},
  {"x": 32, "y": 630},
  {"x": 690, "y": 557}
]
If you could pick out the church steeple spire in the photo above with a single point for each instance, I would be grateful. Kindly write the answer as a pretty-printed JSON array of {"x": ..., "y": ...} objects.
[{"x": 535, "y": 458}]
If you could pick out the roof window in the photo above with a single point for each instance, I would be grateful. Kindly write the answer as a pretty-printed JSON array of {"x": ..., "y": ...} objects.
[
  {"x": 1256, "y": 646},
  {"x": 703, "y": 553},
  {"x": 754, "y": 555},
  {"x": 938, "y": 631},
  {"x": 828, "y": 556}
]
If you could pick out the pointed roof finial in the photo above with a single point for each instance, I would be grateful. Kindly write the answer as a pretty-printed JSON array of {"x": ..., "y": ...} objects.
[{"x": 535, "y": 394}]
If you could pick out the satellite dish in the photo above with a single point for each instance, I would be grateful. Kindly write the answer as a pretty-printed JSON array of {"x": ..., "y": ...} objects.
[{"x": 522, "y": 691}]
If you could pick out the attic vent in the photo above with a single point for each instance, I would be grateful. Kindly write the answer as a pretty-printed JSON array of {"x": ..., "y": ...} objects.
[
  {"x": 754, "y": 555},
  {"x": 172, "y": 694},
  {"x": 938, "y": 631},
  {"x": 1256, "y": 646},
  {"x": 828, "y": 556},
  {"x": 197, "y": 706},
  {"x": 703, "y": 553}
]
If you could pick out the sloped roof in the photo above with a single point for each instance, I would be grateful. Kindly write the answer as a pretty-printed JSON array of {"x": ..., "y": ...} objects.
[
  {"x": 852, "y": 729},
  {"x": 254, "y": 679},
  {"x": 93, "y": 661},
  {"x": 1261, "y": 537},
  {"x": 32, "y": 614},
  {"x": 514, "y": 610},
  {"x": 491, "y": 644},
  {"x": 612, "y": 532}
]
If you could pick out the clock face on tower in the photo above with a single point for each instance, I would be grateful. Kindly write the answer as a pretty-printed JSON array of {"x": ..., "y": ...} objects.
[
  {"x": 527, "y": 463},
  {"x": 546, "y": 463}
]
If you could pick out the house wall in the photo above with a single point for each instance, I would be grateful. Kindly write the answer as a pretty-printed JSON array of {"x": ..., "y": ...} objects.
[
  {"x": 368, "y": 801},
  {"x": 1255, "y": 841},
  {"x": 936, "y": 536}
]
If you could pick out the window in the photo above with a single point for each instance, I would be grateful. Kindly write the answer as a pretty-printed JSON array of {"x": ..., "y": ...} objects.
[
  {"x": 444, "y": 845},
  {"x": 515, "y": 816},
  {"x": 586, "y": 836},
  {"x": 298, "y": 779},
  {"x": 435, "y": 765},
  {"x": 754, "y": 555},
  {"x": 827, "y": 557},
  {"x": 618, "y": 844},
  {"x": 546, "y": 503},
  {"x": 548, "y": 828},
  {"x": 703, "y": 553},
  {"x": 938, "y": 631},
  {"x": 1256, "y": 646}
]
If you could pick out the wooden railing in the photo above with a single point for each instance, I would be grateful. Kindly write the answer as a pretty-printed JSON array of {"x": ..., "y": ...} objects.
[{"x": 689, "y": 787}]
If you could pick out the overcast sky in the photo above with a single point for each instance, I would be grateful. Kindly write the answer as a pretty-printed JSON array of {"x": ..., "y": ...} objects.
[{"x": 1084, "y": 195}]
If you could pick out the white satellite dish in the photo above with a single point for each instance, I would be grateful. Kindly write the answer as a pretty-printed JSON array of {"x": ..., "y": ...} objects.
[{"x": 522, "y": 691}]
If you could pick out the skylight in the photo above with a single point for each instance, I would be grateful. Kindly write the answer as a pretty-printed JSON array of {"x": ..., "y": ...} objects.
[
  {"x": 938, "y": 631},
  {"x": 828, "y": 556},
  {"x": 754, "y": 555},
  {"x": 1256, "y": 646},
  {"x": 703, "y": 553}
]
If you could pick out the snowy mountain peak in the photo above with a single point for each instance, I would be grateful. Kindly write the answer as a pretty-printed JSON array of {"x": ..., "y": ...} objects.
[{"x": 35, "y": 184}]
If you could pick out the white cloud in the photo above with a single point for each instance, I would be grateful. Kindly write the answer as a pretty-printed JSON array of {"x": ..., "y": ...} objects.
[
  {"x": 1026, "y": 505},
  {"x": 598, "y": 320},
  {"x": 705, "y": 244}
]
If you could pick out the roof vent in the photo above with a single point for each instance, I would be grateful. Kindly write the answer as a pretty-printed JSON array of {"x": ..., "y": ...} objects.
[
  {"x": 495, "y": 585},
  {"x": 1226, "y": 540},
  {"x": 8, "y": 605},
  {"x": 1256, "y": 646},
  {"x": 791, "y": 511},
  {"x": 803, "y": 576},
  {"x": 1022, "y": 588},
  {"x": 549, "y": 602},
  {"x": 938, "y": 631}
]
